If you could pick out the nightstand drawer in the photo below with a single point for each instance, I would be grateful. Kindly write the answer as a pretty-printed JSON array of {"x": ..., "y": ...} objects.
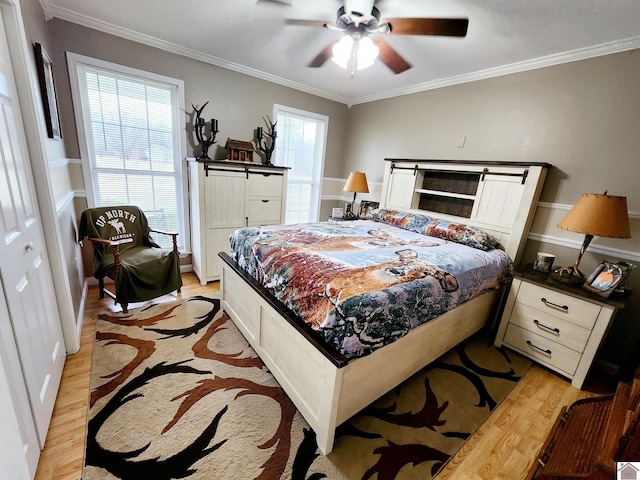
[
  {"x": 545, "y": 351},
  {"x": 570, "y": 308},
  {"x": 550, "y": 327}
]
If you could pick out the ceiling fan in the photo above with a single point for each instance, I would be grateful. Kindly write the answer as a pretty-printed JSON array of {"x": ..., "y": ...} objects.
[{"x": 358, "y": 20}]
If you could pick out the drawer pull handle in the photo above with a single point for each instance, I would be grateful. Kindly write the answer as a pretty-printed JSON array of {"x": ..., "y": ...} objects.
[
  {"x": 555, "y": 305},
  {"x": 542, "y": 325},
  {"x": 265, "y": 201},
  {"x": 547, "y": 351}
]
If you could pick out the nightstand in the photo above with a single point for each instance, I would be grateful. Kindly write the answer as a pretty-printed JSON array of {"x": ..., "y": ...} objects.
[{"x": 558, "y": 326}]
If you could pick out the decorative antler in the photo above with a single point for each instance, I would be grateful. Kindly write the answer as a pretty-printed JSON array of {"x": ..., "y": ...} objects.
[
  {"x": 198, "y": 112},
  {"x": 262, "y": 143},
  {"x": 199, "y": 127}
]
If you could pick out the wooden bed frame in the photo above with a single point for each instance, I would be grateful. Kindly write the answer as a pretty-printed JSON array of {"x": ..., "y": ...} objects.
[{"x": 328, "y": 388}]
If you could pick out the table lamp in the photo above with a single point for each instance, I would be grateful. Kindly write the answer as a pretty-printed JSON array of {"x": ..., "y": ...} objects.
[
  {"x": 594, "y": 215},
  {"x": 356, "y": 183}
]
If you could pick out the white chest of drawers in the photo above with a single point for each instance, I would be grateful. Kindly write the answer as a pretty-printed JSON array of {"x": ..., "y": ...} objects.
[
  {"x": 554, "y": 325},
  {"x": 225, "y": 196}
]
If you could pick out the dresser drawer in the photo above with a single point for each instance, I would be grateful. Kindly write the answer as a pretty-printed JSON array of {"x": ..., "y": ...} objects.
[
  {"x": 547, "y": 352},
  {"x": 264, "y": 211},
  {"x": 264, "y": 185},
  {"x": 550, "y": 327},
  {"x": 558, "y": 304}
]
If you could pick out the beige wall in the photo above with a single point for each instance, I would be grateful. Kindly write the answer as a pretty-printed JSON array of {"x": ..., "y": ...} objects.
[
  {"x": 54, "y": 188},
  {"x": 238, "y": 101},
  {"x": 36, "y": 31},
  {"x": 582, "y": 117}
]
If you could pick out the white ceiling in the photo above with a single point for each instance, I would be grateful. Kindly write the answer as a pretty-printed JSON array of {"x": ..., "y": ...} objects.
[{"x": 251, "y": 36}]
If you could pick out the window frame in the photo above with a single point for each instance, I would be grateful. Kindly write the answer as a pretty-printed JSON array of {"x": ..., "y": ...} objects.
[
  {"x": 324, "y": 119},
  {"x": 74, "y": 61}
]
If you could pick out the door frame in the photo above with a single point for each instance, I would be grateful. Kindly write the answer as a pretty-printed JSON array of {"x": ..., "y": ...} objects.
[{"x": 27, "y": 86}]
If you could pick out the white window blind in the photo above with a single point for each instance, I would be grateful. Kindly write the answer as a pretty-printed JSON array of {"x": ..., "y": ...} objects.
[
  {"x": 132, "y": 135},
  {"x": 300, "y": 146}
]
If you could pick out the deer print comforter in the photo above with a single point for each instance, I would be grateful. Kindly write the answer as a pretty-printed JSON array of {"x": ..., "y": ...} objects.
[{"x": 363, "y": 284}]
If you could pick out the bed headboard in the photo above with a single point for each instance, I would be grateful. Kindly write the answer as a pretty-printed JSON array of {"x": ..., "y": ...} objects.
[{"x": 499, "y": 197}]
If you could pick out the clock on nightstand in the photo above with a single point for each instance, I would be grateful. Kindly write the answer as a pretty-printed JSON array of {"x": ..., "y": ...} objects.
[{"x": 556, "y": 325}]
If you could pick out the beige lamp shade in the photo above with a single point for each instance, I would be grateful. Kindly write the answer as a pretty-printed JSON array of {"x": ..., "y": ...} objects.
[
  {"x": 598, "y": 215},
  {"x": 357, "y": 183}
]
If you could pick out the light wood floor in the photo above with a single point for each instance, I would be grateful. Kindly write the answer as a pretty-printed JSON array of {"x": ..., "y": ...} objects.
[
  {"x": 63, "y": 455},
  {"x": 503, "y": 448}
]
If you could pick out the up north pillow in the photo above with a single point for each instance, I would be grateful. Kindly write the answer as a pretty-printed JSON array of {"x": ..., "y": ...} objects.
[{"x": 435, "y": 227}]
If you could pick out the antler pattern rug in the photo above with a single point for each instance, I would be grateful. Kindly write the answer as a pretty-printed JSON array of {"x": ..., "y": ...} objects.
[{"x": 177, "y": 392}]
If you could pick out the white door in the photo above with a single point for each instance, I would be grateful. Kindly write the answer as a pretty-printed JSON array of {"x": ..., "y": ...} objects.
[{"x": 24, "y": 267}]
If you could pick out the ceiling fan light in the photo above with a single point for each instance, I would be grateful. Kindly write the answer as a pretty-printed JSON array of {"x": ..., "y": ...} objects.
[
  {"x": 342, "y": 51},
  {"x": 367, "y": 52}
]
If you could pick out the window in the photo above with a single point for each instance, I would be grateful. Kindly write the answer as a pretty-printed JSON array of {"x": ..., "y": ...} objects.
[
  {"x": 129, "y": 130},
  {"x": 301, "y": 144}
]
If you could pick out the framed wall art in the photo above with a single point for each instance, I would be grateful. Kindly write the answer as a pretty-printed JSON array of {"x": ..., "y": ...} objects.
[{"x": 44, "y": 65}]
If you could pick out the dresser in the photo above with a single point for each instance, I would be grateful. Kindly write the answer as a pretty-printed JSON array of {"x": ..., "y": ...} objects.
[
  {"x": 556, "y": 325},
  {"x": 225, "y": 196}
]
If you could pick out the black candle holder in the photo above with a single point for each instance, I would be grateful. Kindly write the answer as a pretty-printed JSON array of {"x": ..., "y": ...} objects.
[
  {"x": 200, "y": 129},
  {"x": 265, "y": 142}
]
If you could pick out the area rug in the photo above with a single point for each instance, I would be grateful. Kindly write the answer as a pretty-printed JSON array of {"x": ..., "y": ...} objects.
[{"x": 177, "y": 392}]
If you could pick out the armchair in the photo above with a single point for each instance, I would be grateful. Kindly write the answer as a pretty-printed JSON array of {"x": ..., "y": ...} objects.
[{"x": 124, "y": 251}]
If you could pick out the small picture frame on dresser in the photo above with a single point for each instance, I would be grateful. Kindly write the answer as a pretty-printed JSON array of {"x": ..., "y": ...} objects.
[
  {"x": 606, "y": 277},
  {"x": 348, "y": 211},
  {"x": 366, "y": 206}
]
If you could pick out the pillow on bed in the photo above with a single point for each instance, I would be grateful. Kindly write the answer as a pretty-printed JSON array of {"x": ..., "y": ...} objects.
[{"x": 434, "y": 227}]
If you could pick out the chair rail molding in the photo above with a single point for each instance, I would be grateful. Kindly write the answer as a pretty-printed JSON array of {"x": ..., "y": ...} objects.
[
  {"x": 544, "y": 230},
  {"x": 332, "y": 190}
]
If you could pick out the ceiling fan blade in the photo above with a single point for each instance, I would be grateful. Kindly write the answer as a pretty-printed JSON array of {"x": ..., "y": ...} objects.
[
  {"x": 390, "y": 57},
  {"x": 323, "y": 56},
  {"x": 451, "y": 27},
  {"x": 307, "y": 23}
]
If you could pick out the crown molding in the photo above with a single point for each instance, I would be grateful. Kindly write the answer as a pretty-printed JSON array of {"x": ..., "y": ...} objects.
[
  {"x": 617, "y": 46},
  {"x": 46, "y": 9},
  {"x": 85, "y": 21},
  {"x": 541, "y": 62}
]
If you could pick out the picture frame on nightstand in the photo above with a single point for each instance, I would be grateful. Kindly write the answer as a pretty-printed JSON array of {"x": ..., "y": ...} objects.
[{"x": 606, "y": 277}]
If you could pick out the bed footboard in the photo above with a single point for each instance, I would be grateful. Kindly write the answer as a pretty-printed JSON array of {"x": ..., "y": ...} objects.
[
  {"x": 310, "y": 379},
  {"x": 326, "y": 388}
]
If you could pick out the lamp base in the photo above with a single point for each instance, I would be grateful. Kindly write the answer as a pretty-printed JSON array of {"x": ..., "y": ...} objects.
[{"x": 568, "y": 275}]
